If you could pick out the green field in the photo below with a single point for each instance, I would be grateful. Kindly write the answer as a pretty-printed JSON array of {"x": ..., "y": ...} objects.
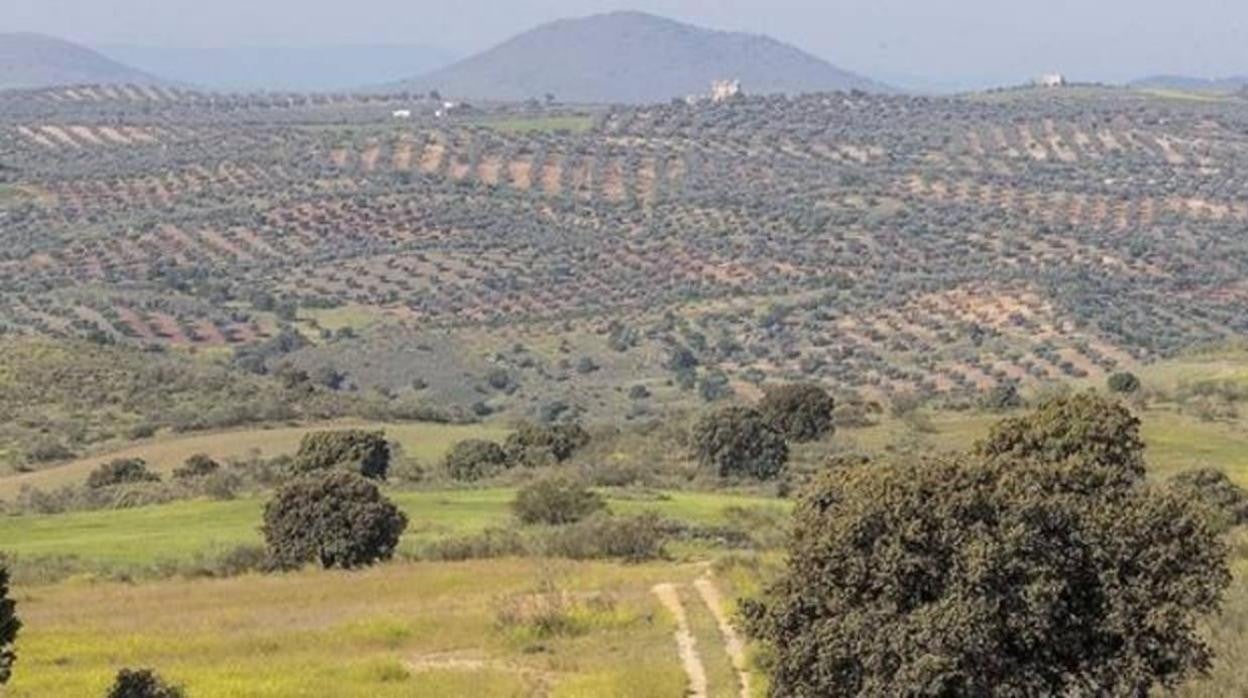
[
  {"x": 424, "y": 441},
  {"x": 178, "y": 532},
  {"x": 395, "y": 630}
]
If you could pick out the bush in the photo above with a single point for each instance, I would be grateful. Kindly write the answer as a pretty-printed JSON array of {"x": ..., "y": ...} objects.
[
  {"x": 738, "y": 441},
  {"x": 1123, "y": 383},
  {"x": 142, "y": 683},
  {"x": 982, "y": 578},
  {"x": 122, "y": 471},
  {"x": 556, "y": 501},
  {"x": 630, "y": 538},
  {"x": 1225, "y": 502},
  {"x": 336, "y": 519},
  {"x": 197, "y": 466},
  {"x": 801, "y": 411},
  {"x": 9, "y": 627},
  {"x": 534, "y": 446},
  {"x": 1001, "y": 398},
  {"x": 475, "y": 459},
  {"x": 363, "y": 452}
]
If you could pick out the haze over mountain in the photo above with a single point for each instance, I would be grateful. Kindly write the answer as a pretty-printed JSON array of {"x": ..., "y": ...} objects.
[
  {"x": 34, "y": 60},
  {"x": 633, "y": 57},
  {"x": 284, "y": 68}
]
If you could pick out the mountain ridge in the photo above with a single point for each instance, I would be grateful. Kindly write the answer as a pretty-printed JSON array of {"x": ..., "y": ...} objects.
[
  {"x": 29, "y": 60},
  {"x": 633, "y": 57}
]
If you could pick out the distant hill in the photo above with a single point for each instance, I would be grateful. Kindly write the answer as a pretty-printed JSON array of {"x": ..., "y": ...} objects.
[
  {"x": 284, "y": 68},
  {"x": 1190, "y": 84},
  {"x": 34, "y": 60},
  {"x": 632, "y": 57}
]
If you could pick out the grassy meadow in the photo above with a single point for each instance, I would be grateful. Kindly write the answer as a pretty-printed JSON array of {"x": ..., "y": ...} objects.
[
  {"x": 180, "y": 531},
  {"x": 396, "y": 630},
  {"x": 423, "y": 441}
]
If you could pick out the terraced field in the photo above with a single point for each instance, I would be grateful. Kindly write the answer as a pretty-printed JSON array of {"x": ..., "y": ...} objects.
[{"x": 885, "y": 245}]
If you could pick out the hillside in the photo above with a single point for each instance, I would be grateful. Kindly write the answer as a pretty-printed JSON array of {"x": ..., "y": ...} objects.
[
  {"x": 33, "y": 60},
  {"x": 1191, "y": 84},
  {"x": 631, "y": 57}
]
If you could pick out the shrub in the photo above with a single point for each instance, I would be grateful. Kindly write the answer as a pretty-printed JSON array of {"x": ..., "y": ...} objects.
[
  {"x": 630, "y": 538},
  {"x": 534, "y": 446},
  {"x": 336, "y": 519},
  {"x": 1095, "y": 435},
  {"x": 801, "y": 411},
  {"x": 1123, "y": 383},
  {"x": 197, "y": 466},
  {"x": 142, "y": 683},
  {"x": 363, "y": 452},
  {"x": 475, "y": 459},
  {"x": 975, "y": 578},
  {"x": 1001, "y": 398},
  {"x": 556, "y": 501},
  {"x": 122, "y": 471},
  {"x": 9, "y": 627},
  {"x": 738, "y": 441},
  {"x": 1225, "y": 502}
]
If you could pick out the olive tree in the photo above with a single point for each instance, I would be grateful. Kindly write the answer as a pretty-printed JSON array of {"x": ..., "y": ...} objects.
[
  {"x": 335, "y": 519},
  {"x": 800, "y": 411},
  {"x": 976, "y": 577},
  {"x": 9, "y": 627},
  {"x": 363, "y": 452},
  {"x": 738, "y": 441},
  {"x": 142, "y": 683},
  {"x": 474, "y": 459}
]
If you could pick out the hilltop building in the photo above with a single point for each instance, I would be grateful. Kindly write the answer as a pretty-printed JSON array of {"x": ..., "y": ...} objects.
[{"x": 1051, "y": 80}]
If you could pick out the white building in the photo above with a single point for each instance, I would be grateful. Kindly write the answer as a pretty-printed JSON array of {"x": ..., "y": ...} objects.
[
  {"x": 402, "y": 113},
  {"x": 1051, "y": 80},
  {"x": 724, "y": 90}
]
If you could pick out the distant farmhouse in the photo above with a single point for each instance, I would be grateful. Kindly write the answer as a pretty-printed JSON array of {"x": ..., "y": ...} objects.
[
  {"x": 721, "y": 91},
  {"x": 1052, "y": 80}
]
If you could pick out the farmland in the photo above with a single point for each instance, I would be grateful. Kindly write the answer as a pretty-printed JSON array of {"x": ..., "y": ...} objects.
[{"x": 885, "y": 245}]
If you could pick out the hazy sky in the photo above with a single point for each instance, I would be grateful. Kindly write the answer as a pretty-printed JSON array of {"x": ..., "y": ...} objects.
[{"x": 954, "y": 42}]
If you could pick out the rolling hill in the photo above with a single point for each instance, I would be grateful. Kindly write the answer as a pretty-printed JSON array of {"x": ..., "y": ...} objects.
[
  {"x": 1191, "y": 84},
  {"x": 34, "y": 60},
  {"x": 632, "y": 57}
]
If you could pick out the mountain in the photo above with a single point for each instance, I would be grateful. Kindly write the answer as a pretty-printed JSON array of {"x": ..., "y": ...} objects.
[
  {"x": 34, "y": 60},
  {"x": 283, "y": 68},
  {"x": 632, "y": 57},
  {"x": 1190, "y": 84}
]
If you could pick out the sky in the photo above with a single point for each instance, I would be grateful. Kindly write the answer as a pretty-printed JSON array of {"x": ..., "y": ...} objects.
[{"x": 916, "y": 43}]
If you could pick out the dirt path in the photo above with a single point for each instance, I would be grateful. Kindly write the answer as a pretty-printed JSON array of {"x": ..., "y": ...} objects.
[
  {"x": 685, "y": 643},
  {"x": 732, "y": 641}
]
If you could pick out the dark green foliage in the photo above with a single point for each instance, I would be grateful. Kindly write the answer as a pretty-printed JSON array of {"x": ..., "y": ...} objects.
[
  {"x": 9, "y": 626},
  {"x": 1123, "y": 383},
  {"x": 197, "y": 466},
  {"x": 739, "y": 442},
  {"x": 122, "y": 471},
  {"x": 800, "y": 411},
  {"x": 534, "y": 445},
  {"x": 335, "y": 519},
  {"x": 629, "y": 538},
  {"x": 142, "y": 683},
  {"x": 1089, "y": 433},
  {"x": 966, "y": 577},
  {"x": 1225, "y": 502},
  {"x": 556, "y": 501},
  {"x": 363, "y": 452},
  {"x": 475, "y": 459}
]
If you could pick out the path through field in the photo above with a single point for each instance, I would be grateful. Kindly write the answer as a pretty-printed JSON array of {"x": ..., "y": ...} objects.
[
  {"x": 732, "y": 641},
  {"x": 685, "y": 643}
]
